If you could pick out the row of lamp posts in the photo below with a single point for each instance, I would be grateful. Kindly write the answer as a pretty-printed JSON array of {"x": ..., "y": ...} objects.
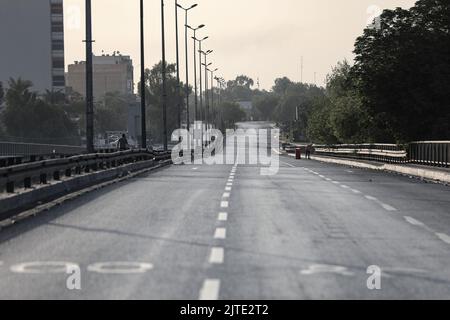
[{"x": 203, "y": 114}]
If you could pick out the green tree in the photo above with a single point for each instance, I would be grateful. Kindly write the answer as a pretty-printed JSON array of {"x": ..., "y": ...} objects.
[
  {"x": 2, "y": 93},
  {"x": 265, "y": 105},
  {"x": 231, "y": 113},
  {"x": 153, "y": 79},
  {"x": 28, "y": 118},
  {"x": 403, "y": 71}
]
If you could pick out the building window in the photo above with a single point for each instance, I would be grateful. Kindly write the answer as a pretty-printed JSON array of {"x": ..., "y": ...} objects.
[
  {"x": 57, "y": 45},
  {"x": 59, "y": 81},
  {"x": 58, "y": 63},
  {"x": 57, "y": 8},
  {"x": 57, "y": 26}
]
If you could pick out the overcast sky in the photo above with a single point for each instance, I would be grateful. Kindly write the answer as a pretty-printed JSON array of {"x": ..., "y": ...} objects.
[{"x": 263, "y": 39}]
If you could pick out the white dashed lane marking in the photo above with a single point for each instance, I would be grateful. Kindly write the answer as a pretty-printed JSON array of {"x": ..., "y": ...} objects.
[
  {"x": 221, "y": 233},
  {"x": 217, "y": 255},
  {"x": 226, "y": 195},
  {"x": 210, "y": 290},
  {"x": 443, "y": 237},
  {"x": 385, "y": 206},
  {"x": 227, "y": 188},
  {"x": 414, "y": 222},
  {"x": 388, "y": 207},
  {"x": 223, "y": 216},
  {"x": 224, "y": 204}
]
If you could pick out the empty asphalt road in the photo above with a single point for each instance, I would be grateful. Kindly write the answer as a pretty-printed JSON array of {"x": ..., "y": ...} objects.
[{"x": 226, "y": 232}]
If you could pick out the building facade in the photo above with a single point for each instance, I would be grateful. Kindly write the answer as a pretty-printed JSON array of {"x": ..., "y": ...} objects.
[
  {"x": 32, "y": 33},
  {"x": 112, "y": 73}
]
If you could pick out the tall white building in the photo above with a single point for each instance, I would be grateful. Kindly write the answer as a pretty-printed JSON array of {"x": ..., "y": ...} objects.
[{"x": 32, "y": 43}]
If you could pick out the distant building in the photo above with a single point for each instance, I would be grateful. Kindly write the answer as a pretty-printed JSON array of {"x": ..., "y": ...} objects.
[
  {"x": 32, "y": 35},
  {"x": 112, "y": 73}
]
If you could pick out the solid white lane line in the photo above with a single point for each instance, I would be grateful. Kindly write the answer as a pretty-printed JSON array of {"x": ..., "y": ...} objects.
[
  {"x": 221, "y": 233},
  {"x": 226, "y": 195},
  {"x": 224, "y": 204},
  {"x": 217, "y": 255},
  {"x": 210, "y": 290},
  {"x": 414, "y": 222},
  {"x": 223, "y": 216},
  {"x": 443, "y": 237}
]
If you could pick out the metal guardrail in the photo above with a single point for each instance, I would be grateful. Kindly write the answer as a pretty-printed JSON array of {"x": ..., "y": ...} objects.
[
  {"x": 40, "y": 172},
  {"x": 390, "y": 153},
  {"x": 431, "y": 153}
]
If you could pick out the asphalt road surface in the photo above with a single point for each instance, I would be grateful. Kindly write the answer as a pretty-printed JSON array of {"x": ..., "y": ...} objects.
[{"x": 226, "y": 232}]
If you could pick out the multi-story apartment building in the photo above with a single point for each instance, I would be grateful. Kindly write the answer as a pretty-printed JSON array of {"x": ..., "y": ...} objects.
[
  {"x": 112, "y": 73},
  {"x": 32, "y": 33}
]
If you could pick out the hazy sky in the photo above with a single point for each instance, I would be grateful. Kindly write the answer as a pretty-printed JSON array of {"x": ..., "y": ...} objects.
[{"x": 263, "y": 39}]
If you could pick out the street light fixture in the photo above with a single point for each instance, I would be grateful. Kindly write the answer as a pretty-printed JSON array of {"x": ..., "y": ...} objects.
[
  {"x": 195, "y": 66},
  {"x": 202, "y": 113},
  {"x": 206, "y": 53},
  {"x": 186, "y": 10},
  {"x": 212, "y": 90}
]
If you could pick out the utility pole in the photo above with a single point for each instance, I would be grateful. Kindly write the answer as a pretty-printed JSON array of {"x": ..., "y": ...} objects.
[
  {"x": 164, "y": 89},
  {"x": 178, "y": 66},
  {"x": 143, "y": 106},
  {"x": 89, "y": 82}
]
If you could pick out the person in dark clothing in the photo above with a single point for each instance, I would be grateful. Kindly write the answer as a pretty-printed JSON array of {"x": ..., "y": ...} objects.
[
  {"x": 309, "y": 149},
  {"x": 122, "y": 144}
]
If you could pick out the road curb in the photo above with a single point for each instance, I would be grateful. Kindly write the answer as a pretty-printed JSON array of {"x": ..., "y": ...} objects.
[
  {"x": 421, "y": 173},
  {"x": 42, "y": 208}
]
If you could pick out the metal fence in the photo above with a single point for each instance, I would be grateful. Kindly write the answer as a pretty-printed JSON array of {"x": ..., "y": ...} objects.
[{"x": 431, "y": 153}]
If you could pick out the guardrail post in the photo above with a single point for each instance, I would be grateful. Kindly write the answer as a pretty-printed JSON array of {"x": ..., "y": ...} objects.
[
  {"x": 10, "y": 187},
  {"x": 56, "y": 176},
  {"x": 43, "y": 178},
  {"x": 27, "y": 183}
]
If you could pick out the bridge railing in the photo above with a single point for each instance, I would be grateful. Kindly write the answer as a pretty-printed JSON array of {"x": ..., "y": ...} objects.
[
  {"x": 390, "y": 153},
  {"x": 40, "y": 172},
  {"x": 432, "y": 153}
]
